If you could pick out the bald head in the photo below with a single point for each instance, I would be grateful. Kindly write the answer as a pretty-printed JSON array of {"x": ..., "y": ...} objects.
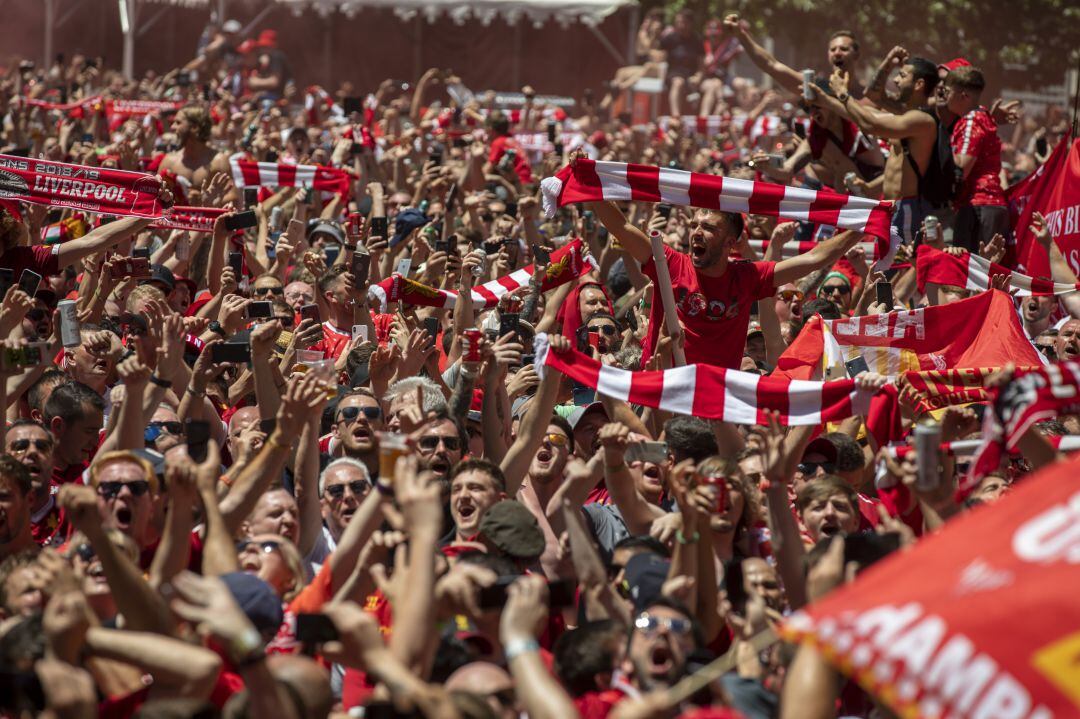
[
  {"x": 306, "y": 680},
  {"x": 486, "y": 680},
  {"x": 1067, "y": 343}
]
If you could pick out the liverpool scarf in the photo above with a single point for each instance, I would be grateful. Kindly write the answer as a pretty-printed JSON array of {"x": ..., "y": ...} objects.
[
  {"x": 196, "y": 219},
  {"x": 589, "y": 181},
  {"x": 248, "y": 173},
  {"x": 96, "y": 189},
  {"x": 794, "y": 249},
  {"x": 973, "y": 272},
  {"x": 567, "y": 264},
  {"x": 712, "y": 392},
  {"x": 1032, "y": 396}
]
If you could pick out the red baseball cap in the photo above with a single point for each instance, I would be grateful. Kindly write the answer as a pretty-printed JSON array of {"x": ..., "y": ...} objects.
[{"x": 954, "y": 63}]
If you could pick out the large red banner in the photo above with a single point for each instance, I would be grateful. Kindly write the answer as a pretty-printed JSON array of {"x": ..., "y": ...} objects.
[
  {"x": 1053, "y": 190},
  {"x": 978, "y": 620}
]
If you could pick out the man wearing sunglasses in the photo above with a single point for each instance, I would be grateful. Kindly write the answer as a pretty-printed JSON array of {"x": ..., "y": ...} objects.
[
  {"x": 663, "y": 636},
  {"x": 16, "y": 533},
  {"x": 32, "y": 446},
  {"x": 127, "y": 487},
  {"x": 343, "y": 485},
  {"x": 818, "y": 460},
  {"x": 267, "y": 287},
  {"x": 442, "y": 442},
  {"x": 356, "y": 421},
  {"x": 164, "y": 431}
]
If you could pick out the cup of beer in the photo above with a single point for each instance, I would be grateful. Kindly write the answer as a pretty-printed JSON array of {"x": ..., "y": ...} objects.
[
  {"x": 305, "y": 358},
  {"x": 391, "y": 446}
]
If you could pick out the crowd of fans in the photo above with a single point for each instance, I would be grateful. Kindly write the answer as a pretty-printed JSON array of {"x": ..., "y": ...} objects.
[{"x": 377, "y": 511}]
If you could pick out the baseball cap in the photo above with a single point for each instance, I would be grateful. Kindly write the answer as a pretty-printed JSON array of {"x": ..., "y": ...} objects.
[
  {"x": 579, "y": 413},
  {"x": 162, "y": 274},
  {"x": 47, "y": 296},
  {"x": 407, "y": 220},
  {"x": 257, "y": 600},
  {"x": 645, "y": 575},
  {"x": 954, "y": 63},
  {"x": 513, "y": 529},
  {"x": 822, "y": 446},
  {"x": 190, "y": 284},
  {"x": 327, "y": 228}
]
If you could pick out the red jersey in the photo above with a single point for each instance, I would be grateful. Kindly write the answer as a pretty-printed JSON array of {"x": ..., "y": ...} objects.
[
  {"x": 49, "y": 525},
  {"x": 975, "y": 134},
  {"x": 714, "y": 311},
  {"x": 334, "y": 341},
  {"x": 521, "y": 164},
  {"x": 42, "y": 259}
]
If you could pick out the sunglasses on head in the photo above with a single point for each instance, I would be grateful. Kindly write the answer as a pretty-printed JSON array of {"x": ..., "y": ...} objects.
[
  {"x": 649, "y": 624},
  {"x": 350, "y": 414},
  {"x": 359, "y": 487},
  {"x": 21, "y": 445},
  {"x": 430, "y": 442},
  {"x": 266, "y": 546},
  {"x": 138, "y": 488},
  {"x": 812, "y": 467}
]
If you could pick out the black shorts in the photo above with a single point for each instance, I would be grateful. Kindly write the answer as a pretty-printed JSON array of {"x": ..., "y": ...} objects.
[{"x": 977, "y": 224}]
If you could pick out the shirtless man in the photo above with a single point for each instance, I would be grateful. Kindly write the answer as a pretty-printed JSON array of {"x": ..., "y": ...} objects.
[
  {"x": 194, "y": 163},
  {"x": 911, "y": 134}
]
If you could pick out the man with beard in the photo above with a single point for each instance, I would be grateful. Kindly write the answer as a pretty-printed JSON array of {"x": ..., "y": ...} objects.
[
  {"x": 357, "y": 419},
  {"x": 401, "y": 396},
  {"x": 713, "y": 295},
  {"x": 475, "y": 486},
  {"x": 74, "y": 414},
  {"x": 32, "y": 445},
  {"x": 1035, "y": 314},
  {"x": 192, "y": 160},
  {"x": 442, "y": 442},
  {"x": 663, "y": 637},
  {"x": 912, "y": 135},
  {"x": 16, "y": 488},
  {"x": 343, "y": 485}
]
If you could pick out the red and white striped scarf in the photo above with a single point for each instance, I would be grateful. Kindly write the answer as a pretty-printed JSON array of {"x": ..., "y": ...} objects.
[
  {"x": 794, "y": 249},
  {"x": 567, "y": 264},
  {"x": 248, "y": 173},
  {"x": 973, "y": 272},
  {"x": 589, "y": 181},
  {"x": 196, "y": 219},
  {"x": 712, "y": 392}
]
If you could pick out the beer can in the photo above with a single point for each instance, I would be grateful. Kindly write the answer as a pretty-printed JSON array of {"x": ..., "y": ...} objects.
[
  {"x": 69, "y": 323},
  {"x": 479, "y": 270},
  {"x": 933, "y": 228},
  {"x": 472, "y": 338},
  {"x": 849, "y": 180},
  {"x": 807, "y": 84},
  {"x": 927, "y": 455}
]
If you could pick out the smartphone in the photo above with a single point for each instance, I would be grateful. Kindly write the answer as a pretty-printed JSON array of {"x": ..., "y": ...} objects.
[
  {"x": 593, "y": 339},
  {"x": 442, "y": 246},
  {"x": 379, "y": 227},
  {"x": 583, "y": 394},
  {"x": 361, "y": 266},
  {"x": 589, "y": 218},
  {"x": 230, "y": 352},
  {"x": 865, "y": 548},
  {"x": 183, "y": 79},
  {"x": 512, "y": 209},
  {"x": 664, "y": 210},
  {"x": 551, "y": 131},
  {"x": 403, "y": 266},
  {"x": 655, "y": 452},
  {"x": 1042, "y": 146},
  {"x": 251, "y": 196},
  {"x": 143, "y": 252},
  {"x": 29, "y": 355},
  {"x": 561, "y": 593},
  {"x": 311, "y": 312},
  {"x": 360, "y": 331},
  {"x": 528, "y": 359},
  {"x": 331, "y": 251},
  {"x": 436, "y": 157},
  {"x": 241, "y": 220},
  {"x": 315, "y": 629},
  {"x": 509, "y": 323},
  {"x": 29, "y": 282},
  {"x": 352, "y": 104},
  {"x": 856, "y": 367},
  {"x": 540, "y": 255},
  {"x": 582, "y": 337},
  {"x": 262, "y": 309},
  {"x": 431, "y": 325},
  {"x": 197, "y": 433},
  {"x": 138, "y": 267},
  {"x": 885, "y": 295},
  {"x": 236, "y": 262}
]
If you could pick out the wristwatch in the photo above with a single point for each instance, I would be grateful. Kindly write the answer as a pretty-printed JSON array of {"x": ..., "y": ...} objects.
[
  {"x": 216, "y": 327},
  {"x": 843, "y": 98},
  {"x": 154, "y": 379}
]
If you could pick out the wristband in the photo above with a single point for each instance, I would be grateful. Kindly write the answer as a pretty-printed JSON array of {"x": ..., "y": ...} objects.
[
  {"x": 683, "y": 540},
  {"x": 384, "y": 489},
  {"x": 516, "y": 647},
  {"x": 193, "y": 393},
  {"x": 216, "y": 328},
  {"x": 154, "y": 379}
]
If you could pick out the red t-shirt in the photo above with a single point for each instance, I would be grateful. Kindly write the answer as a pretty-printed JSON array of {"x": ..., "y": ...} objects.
[
  {"x": 714, "y": 311},
  {"x": 521, "y": 164},
  {"x": 39, "y": 258},
  {"x": 71, "y": 475},
  {"x": 333, "y": 342},
  {"x": 52, "y": 528},
  {"x": 975, "y": 134}
]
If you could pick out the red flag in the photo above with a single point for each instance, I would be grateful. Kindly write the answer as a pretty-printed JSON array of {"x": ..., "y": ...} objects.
[
  {"x": 59, "y": 184},
  {"x": 974, "y": 272},
  {"x": 977, "y": 620},
  {"x": 1053, "y": 190},
  {"x": 980, "y": 332}
]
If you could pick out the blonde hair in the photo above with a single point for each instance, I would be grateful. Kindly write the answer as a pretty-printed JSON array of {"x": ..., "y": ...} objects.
[
  {"x": 143, "y": 292},
  {"x": 122, "y": 455}
]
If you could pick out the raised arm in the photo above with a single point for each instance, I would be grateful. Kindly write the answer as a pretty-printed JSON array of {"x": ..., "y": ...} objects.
[
  {"x": 531, "y": 431},
  {"x": 823, "y": 255},
  {"x": 104, "y": 237},
  {"x": 1059, "y": 268},
  {"x": 788, "y": 78},
  {"x": 632, "y": 239},
  {"x": 871, "y": 121}
]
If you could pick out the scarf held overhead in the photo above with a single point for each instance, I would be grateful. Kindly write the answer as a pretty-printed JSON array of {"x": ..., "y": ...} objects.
[
  {"x": 973, "y": 272},
  {"x": 567, "y": 264},
  {"x": 589, "y": 181},
  {"x": 248, "y": 173},
  {"x": 96, "y": 189},
  {"x": 712, "y": 392},
  {"x": 196, "y": 219}
]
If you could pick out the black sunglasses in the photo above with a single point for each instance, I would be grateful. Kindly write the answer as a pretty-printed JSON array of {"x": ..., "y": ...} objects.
[
  {"x": 430, "y": 442},
  {"x": 85, "y": 552},
  {"x": 21, "y": 445},
  {"x": 358, "y": 487},
  {"x": 812, "y": 467},
  {"x": 138, "y": 488},
  {"x": 36, "y": 314},
  {"x": 350, "y": 414},
  {"x": 606, "y": 329},
  {"x": 267, "y": 545},
  {"x": 175, "y": 428},
  {"x": 833, "y": 289},
  {"x": 272, "y": 290}
]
